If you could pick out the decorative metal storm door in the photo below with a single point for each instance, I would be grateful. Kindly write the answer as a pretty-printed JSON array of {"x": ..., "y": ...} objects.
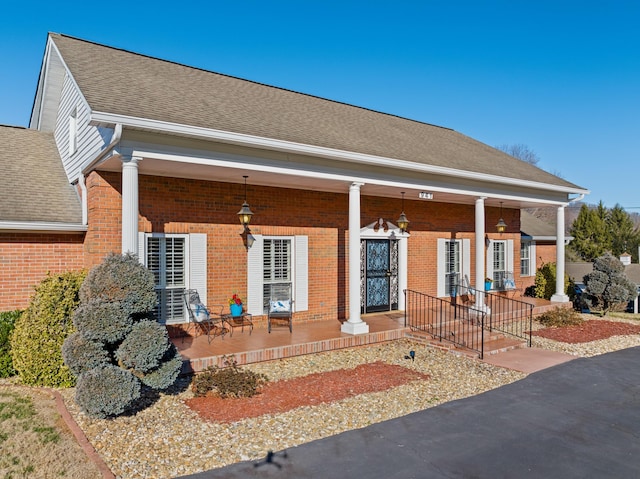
[{"x": 379, "y": 278}]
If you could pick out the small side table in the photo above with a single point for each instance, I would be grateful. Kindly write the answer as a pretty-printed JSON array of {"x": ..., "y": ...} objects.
[{"x": 245, "y": 319}]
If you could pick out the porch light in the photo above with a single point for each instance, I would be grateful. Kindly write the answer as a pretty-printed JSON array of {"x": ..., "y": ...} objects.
[
  {"x": 501, "y": 226},
  {"x": 403, "y": 222},
  {"x": 245, "y": 213}
]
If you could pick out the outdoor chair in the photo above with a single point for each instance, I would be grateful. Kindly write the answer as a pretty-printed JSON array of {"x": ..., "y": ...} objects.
[
  {"x": 280, "y": 305},
  {"x": 202, "y": 318},
  {"x": 467, "y": 293}
]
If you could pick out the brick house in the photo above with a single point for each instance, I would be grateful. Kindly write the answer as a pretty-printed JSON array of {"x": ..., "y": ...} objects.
[{"x": 156, "y": 154}]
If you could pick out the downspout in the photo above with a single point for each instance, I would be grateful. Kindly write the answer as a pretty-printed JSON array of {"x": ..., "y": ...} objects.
[{"x": 115, "y": 139}]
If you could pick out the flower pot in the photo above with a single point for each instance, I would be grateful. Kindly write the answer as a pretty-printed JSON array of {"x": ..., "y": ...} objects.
[
  {"x": 236, "y": 309},
  {"x": 487, "y": 285}
]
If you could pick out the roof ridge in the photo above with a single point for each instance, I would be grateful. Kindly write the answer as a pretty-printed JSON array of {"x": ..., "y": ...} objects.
[{"x": 251, "y": 81}]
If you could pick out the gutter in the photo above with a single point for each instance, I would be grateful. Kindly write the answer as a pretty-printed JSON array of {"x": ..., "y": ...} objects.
[
  {"x": 324, "y": 152},
  {"x": 37, "y": 226}
]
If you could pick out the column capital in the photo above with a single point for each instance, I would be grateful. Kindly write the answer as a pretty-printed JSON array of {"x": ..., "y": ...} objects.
[
  {"x": 130, "y": 160},
  {"x": 356, "y": 185}
]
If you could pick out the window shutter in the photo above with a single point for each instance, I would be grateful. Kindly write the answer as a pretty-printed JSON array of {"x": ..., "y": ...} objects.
[
  {"x": 142, "y": 248},
  {"x": 301, "y": 273},
  {"x": 254, "y": 277},
  {"x": 441, "y": 267},
  {"x": 533, "y": 265},
  {"x": 509, "y": 255},
  {"x": 198, "y": 264},
  {"x": 466, "y": 261}
]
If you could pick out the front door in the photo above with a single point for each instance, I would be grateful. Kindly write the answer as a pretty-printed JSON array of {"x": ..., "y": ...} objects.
[{"x": 380, "y": 278}]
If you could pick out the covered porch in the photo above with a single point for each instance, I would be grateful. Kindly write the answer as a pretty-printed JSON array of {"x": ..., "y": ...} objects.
[{"x": 306, "y": 338}]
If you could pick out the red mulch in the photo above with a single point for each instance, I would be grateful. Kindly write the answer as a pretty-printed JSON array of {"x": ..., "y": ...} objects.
[
  {"x": 591, "y": 330},
  {"x": 311, "y": 390}
]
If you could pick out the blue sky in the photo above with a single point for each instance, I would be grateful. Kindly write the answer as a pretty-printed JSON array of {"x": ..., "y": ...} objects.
[{"x": 562, "y": 77}]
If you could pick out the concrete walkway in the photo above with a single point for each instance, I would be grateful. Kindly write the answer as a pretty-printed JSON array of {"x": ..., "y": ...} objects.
[{"x": 578, "y": 419}]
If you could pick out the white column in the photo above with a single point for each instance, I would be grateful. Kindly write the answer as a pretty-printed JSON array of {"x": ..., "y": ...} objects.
[
  {"x": 354, "y": 325},
  {"x": 560, "y": 296},
  {"x": 480, "y": 253},
  {"x": 403, "y": 274},
  {"x": 130, "y": 205}
]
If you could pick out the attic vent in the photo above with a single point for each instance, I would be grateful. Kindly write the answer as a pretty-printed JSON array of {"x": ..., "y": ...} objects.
[{"x": 73, "y": 131}]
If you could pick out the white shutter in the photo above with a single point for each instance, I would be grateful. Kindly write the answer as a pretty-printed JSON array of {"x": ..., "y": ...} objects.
[
  {"x": 466, "y": 261},
  {"x": 142, "y": 248},
  {"x": 255, "y": 302},
  {"x": 198, "y": 264},
  {"x": 509, "y": 255},
  {"x": 442, "y": 269},
  {"x": 301, "y": 273},
  {"x": 533, "y": 265}
]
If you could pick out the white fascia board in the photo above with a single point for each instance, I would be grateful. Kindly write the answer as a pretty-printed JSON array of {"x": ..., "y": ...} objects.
[
  {"x": 228, "y": 160},
  {"x": 303, "y": 149},
  {"x": 42, "y": 226}
]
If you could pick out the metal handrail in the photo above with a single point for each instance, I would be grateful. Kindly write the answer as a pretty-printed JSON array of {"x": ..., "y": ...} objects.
[{"x": 445, "y": 320}]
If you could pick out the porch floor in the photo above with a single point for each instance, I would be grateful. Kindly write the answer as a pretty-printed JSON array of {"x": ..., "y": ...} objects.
[{"x": 306, "y": 338}]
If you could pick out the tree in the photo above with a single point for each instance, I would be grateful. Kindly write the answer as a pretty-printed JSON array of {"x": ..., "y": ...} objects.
[
  {"x": 608, "y": 288},
  {"x": 521, "y": 152},
  {"x": 118, "y": 352},
  {"x": 590, "y": 235},
  {"x": 625, "y": 236}
]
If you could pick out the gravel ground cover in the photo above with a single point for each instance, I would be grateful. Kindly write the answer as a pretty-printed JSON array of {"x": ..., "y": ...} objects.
[{"x": 169, "y": 439}]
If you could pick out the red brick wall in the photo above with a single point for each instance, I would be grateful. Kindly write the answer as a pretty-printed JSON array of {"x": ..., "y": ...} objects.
[
  {"x": 172, "y": 205},
  {"x": 26, "y": 258}
]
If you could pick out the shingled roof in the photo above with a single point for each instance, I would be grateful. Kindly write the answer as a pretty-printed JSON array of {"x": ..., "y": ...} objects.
[
  {"x": 33, "y": 185},
  {"x": 123, "y": 83}
]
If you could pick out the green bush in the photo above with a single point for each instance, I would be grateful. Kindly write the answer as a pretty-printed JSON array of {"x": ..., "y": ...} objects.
[
  {"x": 7, "y": 324},
  {"x": 144, "y": 346},
  {"x": 560, "y": 317},
  {"x": 230, "y": 381},
  {"x": 102, "y": 321},
  {"x": 121, "y": 278},
  {"x": 608, "y": 288},
  {"x": 115, "y": 301},
  {"x": 81, "y": 354},
  {"x": 545, "y": 285},
  {"x": 164, "y": 376},
  {"x": 107, "y": 391},
  {"x": 36, "y": 341}
]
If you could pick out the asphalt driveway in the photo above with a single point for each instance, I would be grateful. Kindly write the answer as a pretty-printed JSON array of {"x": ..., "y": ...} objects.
[{"x": 579, "y": 419}]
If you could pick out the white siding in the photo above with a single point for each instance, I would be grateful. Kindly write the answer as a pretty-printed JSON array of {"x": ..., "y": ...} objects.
[{"x": 91, "y": 139}]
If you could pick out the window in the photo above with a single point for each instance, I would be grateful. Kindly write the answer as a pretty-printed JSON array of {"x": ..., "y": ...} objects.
[
  {"x": 277, "y": 259},
  {"x": 276, "y": 266},
  {"x": 499, "y": 263},
  {"x": 453, "y": 271},
  {"x": 525, "y": 258},
  {"x": 454, "y": 264},
  {"x": 166, "y": 259}
]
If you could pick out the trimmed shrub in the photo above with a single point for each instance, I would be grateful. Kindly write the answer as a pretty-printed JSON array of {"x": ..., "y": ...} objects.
[
  {"x": 107, "y": 391},
  {"x": 228, "y": 382},
  {"x": 81, "y": 354},
  {"x": 608, "y": 288},
  {"x": 123, "y": 279},
  {"x": 102, "y": 321},
  {"x": 144, "y": 347},
  {"x": 167, "y": 373},
  {"x": 560, "y": 317},
  {"x": 7, "y": 324},
  {"x": 36, "y": 341},
  {"x": 115, "y": 340}
]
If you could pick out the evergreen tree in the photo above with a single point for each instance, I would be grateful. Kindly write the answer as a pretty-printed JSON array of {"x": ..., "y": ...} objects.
[
  {"x": 608, "y": 288},
  {"x": 625, "y": 237},
  {"x": 590, "y": 236}
]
